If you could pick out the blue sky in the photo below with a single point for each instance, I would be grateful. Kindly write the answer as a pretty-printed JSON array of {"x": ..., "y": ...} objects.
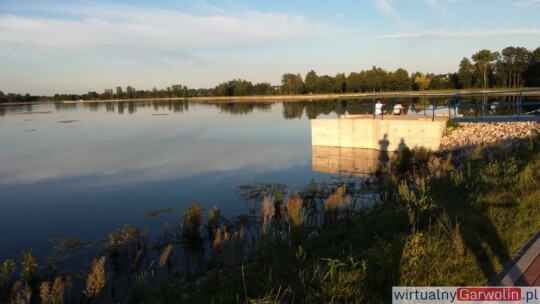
[{"x": 77, "y": 46}]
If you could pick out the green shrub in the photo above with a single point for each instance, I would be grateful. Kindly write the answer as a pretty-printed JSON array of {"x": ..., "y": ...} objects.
[{"x": 452, "y": 124}]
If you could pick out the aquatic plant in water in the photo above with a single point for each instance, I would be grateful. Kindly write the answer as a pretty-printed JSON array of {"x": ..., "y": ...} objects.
[
  {"x": 213, "y": 221},
  {"x": 192, "y": 220},
  {"x": 96, "y": 278},
  {"x": 268, "y": 211}
]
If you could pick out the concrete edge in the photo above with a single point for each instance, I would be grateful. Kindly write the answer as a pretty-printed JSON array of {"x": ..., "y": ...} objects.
[{"x": 518, "y": 264}]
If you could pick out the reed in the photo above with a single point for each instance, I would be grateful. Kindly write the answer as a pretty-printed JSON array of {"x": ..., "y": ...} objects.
[
  {"x": 45, "y": 293},
  {"x": 124, "y": 238},
  {"x": 192, "y": 220},
  {"x": 29, "y": 266},
  {"x": 19, "y": 294},
  {"x": 96, "y": 279},
  {"x": 58, "y": 289},
  {"x": 228, "y": 246},
  {"x": 125, "y": 245},
  {"x": 7, "y": 271},
  {"x": 295, "y": 216},
  {"x": 332, "y": 206},
  {"x": 295, "y": 219},
  {"x": 52, "y": 294},
  {"x": 268, "y": 211},
  {"x": 213, "y": 221},
  {"x": 164, "y": 258}
]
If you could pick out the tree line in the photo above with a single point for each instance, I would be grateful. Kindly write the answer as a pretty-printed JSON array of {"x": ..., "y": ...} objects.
[{"x": 513, "y": 67}]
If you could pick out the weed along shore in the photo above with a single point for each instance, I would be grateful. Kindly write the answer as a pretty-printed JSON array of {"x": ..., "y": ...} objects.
[{"x": 438, "y": 218}]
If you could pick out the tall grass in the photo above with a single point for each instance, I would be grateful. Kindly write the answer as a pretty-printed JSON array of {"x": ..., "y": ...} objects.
[
  {"x": 192, "y": 220},
  {"x": 96, "y": 279},
  {"x": 295, "y": 219},
  {"x": 29, "y": 266},
  {"x": 268, "y": 212}
]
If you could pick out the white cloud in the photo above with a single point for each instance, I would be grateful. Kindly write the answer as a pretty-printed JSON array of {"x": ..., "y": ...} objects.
[
  {"x": 385, "y": 6},
  {"x": 458, "y": 34},
  {"x": 527, "y": 3},
  {"x": 106, "y": 28}
]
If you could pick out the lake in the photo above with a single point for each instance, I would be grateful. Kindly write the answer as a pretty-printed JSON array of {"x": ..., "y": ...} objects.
[{"x": 86, "y": 169}]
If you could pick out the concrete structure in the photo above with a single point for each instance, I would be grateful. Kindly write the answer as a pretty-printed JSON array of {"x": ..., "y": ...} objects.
[
  {"x": 347, "y": 161},
  {"x": 392, "y": 133}
]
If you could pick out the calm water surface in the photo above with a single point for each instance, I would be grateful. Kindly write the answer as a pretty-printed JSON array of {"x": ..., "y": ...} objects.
[{"x": 87, "y": 169}]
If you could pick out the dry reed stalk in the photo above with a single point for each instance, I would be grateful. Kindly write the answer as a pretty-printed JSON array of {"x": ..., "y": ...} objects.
[
  {"x": 45, "y": 293},
  {"x": 29, "y": 266},
  {"x": 216, "y": 244},
  {"x": 96, "y": 278},
  {"x": 268, "y": 211},
  {"x": 58, "y": 290},
  {"x": 7, "y": 271},
  {"x": 294, "y": 211},
  {"x": 20, "y": 295},
  {"x": 164, "y": 257}
]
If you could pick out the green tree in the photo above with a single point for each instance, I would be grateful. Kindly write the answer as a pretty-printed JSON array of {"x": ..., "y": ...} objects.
[
  {"x": 353, "y": 82},
  {"x": 513, "y": 62},
  {"x": 532, "y": 74},
  {"x": 311, "y": 82},
  {"x": 484, "y": 60},
  {"x": 178, "y": 90},
  {"x": 325, "y": 84},
  {"x": 340, "y": 83},
  {"x": 107, "y": 94},
  {"x": 292, "y": 83},
  {"x": 243, "y": 87},
  {"x": 119, "y": 93},
  {"x": 439, "y": 82},
  {"x": 130, "y": 92},
  {"x": 375, "y": 79},
  {"x": 222, "y": 89},
  {"x": 465, "y": 74},
  {"x": 399, "y": 80},
  {"x": 263, "y": 88},
  {"x": 92, "y": 95},
  {"x": 422, "y": 81}
]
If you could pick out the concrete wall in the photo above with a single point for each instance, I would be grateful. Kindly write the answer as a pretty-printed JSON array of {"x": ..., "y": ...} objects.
[{"x": 383, "y": 135}]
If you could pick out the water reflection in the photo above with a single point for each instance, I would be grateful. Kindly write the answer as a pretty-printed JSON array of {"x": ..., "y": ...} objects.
[
  {"x": 243, "y": 108},
  {"x": 451, "y": 105},
  {"x": 345, "y": 161}
]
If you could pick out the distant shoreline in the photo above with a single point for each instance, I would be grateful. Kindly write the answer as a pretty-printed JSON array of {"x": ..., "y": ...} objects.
[{"x": 308, "y": 97}]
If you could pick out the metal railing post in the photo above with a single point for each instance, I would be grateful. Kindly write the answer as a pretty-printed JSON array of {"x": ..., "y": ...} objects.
[
  {"x": 424, "y": 104},
  {"x": 433, "y": 106}
]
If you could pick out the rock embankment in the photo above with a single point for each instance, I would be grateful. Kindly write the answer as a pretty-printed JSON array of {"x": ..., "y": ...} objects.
[{"x": 472, "y": 134}]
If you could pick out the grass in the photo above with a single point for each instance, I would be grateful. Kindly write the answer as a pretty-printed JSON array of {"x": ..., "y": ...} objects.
[{"x": 450, "y": 229}]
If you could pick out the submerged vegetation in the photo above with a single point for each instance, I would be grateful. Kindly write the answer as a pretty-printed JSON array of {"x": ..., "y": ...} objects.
[
  {"x": 419, "y": 220},
  {"x": 155, "y": 212}
]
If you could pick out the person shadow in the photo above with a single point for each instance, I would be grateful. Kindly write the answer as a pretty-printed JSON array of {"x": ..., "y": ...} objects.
[
  {"x": 384, "y": 143},
  {"x": 478, "y": 233},
  {"x": 402, "y": 146},
  {"x": 471, "y": 232}
]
